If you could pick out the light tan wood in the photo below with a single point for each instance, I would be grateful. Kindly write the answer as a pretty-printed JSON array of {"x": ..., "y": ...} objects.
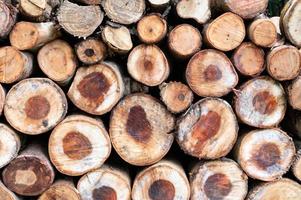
[
  {"x": 284, "y": 55},
  {"x": 6, "y": 194},
  {"x": 140, "y": 124},
  {"x": 14, "y": 64},
  {"x": 147, "y": 64},
  {"x": 210, "y": 73},
  {"x": 226, "y": 32},
  {"x": 37, "y": 10},
  {"x": 79, "y": 21},
  {"x": 184, "y": 41},
  {"x": 294, "y": 93},
  {"x": 199, "y": 10},
  {"x": 8, "y": 18},
  {"x": 281, "y": 189},
  {"x": 262, "y": 32},
  {"x": 97, "y": 89},
  {"x": 208, "y": 129},
  {"x": 79, "y": 144},
  {"x": 164, "y": 180},
  {"x": 34, "y": 106},
  {"x": 260, "y": 102},
  {"x": 176, "y": 96},
  {"x": 159, "y": 3},
  {"x": 30, "y": 173},
  {"x": 219, "y": 179},
  {"x": 58, "y": 61},
  {"x": 152, "y": 28},
  {"x": 106, "y": 182},
  {"x": 30, "y": 36},
  {"x": 249, "y": 59},
  {"x": 296, "y": 166},
  {"x": 280, "y": 35}
]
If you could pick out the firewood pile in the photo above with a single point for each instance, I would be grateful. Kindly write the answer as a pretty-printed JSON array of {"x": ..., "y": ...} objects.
[{"x": 150, "y": 100}]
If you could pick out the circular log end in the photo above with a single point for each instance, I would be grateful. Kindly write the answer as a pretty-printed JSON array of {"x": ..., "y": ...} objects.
[
  {"x": 247, "y": 9},
  {"x": 91, "y": 51},
  {"x": 263, "y": 32}
]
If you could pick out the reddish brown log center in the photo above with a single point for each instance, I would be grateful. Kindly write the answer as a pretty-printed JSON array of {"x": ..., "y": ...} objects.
[
  {"x": 147, "y": 64},
  {"x": 137, "y": 124},
  {"x": 104, "y": 193},
  {"x": 267, "y": 155},
  {"x": 161, "y": 189},
  {"x": 217, "y": 186},
  {"x": 37, "y": 107},
  {"x": 76, "y": 146},
  {"x": 212, "y": 73},
  {"x": 264, "y": 102}
]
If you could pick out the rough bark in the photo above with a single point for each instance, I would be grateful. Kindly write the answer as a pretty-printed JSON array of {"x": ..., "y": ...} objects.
[
  {"x": 294, "y": 93},
  {"x": 296, "y": 166}
]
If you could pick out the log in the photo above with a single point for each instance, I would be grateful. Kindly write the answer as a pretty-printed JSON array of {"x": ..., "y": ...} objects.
[
  {"x": 249, "y": 59},
  {"x": 132, "y": 86},
  {"x": 280, "y": 35},
  {"x": 30, "y": 173},
  {"x": 14, "y": 64},
  {"x": 152, "y": 28},
  {"x": 184, "y": 41},
  {"x": 147, "y": 64},
  {"x": 79, "y": 144},
  {"x": 8, "y": 19},
  {"x": 37, "y": 10},
  {"x": 176, "y": 96},
  {"x": 260, "y": 102},
  {"x": 210, "y": 73},
  {"x": 158, "y": 3},
  {"x": 220, "y": 179},
  {"x": 79, "y": 21},
  {"x": 281, "y": 189},
  {"x": 59, "y": 190},
  {"x": 58, "y": 61},
  {"x": 296, "y": 166},
  {"x": 208, "y": 129},
  {"x": 9, "y": 144},
  {"x": 294, "y": 93},
  {"x": 244, "y": 8},
  {"x": 164, "y": 180},
  {"x": 199, "y": 10},
  {"x": 97, "y": 89},
  {"x": 91, "y": 51},
  {"x": 2, "y": 98},
  {"x": 106, "y": 182},
  {"x": 124, "y": 11},
  {"x": 284, "y": 55},
  {"x": 226, "y": 32},
  {"x": 262, "y": 32},
  {"x": 141, "y": 124},
  {"x": 290, "y": 18},
  {"x": 117, "y": 38},
  {"x": 34, "y": 106},
  {"x": 30, "y": 36},
  {"x": 265, "y": 154},
  {"x": 6, "y": 194}
]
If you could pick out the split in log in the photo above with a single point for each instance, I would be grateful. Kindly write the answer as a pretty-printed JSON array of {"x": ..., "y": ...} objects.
[
  {"x": 9, "y": 144},
  {"x": 210, "y": 73},
  {"x": 117, "y": 38},
  {"x": 97, "y": 89},
  {"x": 91, "y": 51},
  {"x": 176, "y": 96},
  {"x": 163, "y": 180},
  {"x": 265, "y": 154},
  {"x": 124, "y": 11},
  {"x": 294, "y": 93},
  {"x": 105, "y": 183},
  {"x": 2, "y": 98},
  {"x": 152, "y": 28},
  {"x": 290, "y": 21},
  {"x": 184, "y": 41},
  {"x": 245, "y": 8},
  {"x": 61, "y": 190},
  {"x": 260, "y": 102},
  {"x": 34, "y": 106},
  {"x": 262, "y": 32},
  {"x": 216, "y": 180},
  {"x": 30, "y": 173},
  {"x": 159, "y": 3},
  {"x": 199, "y": 10},
  {"x": 29, "y": 36},
  {"x": 140, "y": 124},
  {"x": 296, "y": 166},
  {"x": 6, "y": 194},
  {"x": 37, "y": 10},
  {"x": 280, "y": 189},
  {"x": 249, "y": 59},
  {"x": 147, "y": 64},
  {"x": 79, "y": 144},
  {"x": 79, "y": 21},
  {"x": 208, "y": 129},
  {"x": 58, "y": 61},
  {"x": 284, "y": 62},
  {"x": 8, "y": 18},
  {"x": 14, "y": 64}
]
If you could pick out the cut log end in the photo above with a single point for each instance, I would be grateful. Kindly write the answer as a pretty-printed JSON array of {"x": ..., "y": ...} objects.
[
  {"x": 8, "y": 19},
  {"x": 38, "y": 10},
  {"x": 6, "y": 194},
  {"x": 294, "y": 93},
  {"x": 158, "y": 3},
  {"x": 139, "y": 123},
  {"x": 208, "y": 129},
  {"x": 263, "y": 32}
]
